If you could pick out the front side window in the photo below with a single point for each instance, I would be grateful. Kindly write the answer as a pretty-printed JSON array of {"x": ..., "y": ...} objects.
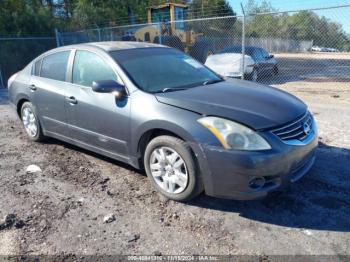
[
  {"x": 55, "y": 66},
  {"x": 89, "y": 67},
  {"x": 159, "y": 69}
]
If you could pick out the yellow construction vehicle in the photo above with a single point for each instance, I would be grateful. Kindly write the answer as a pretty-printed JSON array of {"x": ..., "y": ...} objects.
[{"x": 166, "y": 26}]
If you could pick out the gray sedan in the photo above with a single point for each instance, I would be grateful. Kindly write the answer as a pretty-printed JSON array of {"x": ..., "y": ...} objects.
[{"x": 156, "y": 108}]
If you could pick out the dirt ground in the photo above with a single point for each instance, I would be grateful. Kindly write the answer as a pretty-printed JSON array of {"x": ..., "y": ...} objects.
[{"x": 61, "y": 209}]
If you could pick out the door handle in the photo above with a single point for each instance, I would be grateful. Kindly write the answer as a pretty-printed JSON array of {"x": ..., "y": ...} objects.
[
  {"x": 32, "y": 87},
  {"x": 71, "y": 100}
]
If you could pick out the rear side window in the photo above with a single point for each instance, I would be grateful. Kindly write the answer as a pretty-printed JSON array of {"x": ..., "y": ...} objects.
[
  {"x": 37, "y": 67},
  {"x": 89, "y": 67},
  {"x": 55, "y": 66}
]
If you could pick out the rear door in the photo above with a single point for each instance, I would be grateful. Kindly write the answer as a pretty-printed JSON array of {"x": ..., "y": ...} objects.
[
  {"x": 96, "y": 119},
  {"x": 49, "y": 85}
]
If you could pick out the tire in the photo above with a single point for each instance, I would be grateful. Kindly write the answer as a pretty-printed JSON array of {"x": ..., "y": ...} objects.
[
  {"x": 201, "y": 50},
  {"x": 169, "y": 40},
  {"x": 275, "y": 70},
  {"x": 253, "y": 76},
  {"x": 170, "y": 145},
  {"x": 30, "y": 120}
]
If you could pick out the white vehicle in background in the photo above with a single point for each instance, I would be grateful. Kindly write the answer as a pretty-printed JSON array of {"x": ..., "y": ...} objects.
[
  {"x": 316, "y": 49},
  {"x": 324, "y": 49},
  {"x": 230, "y": 65},
  {"x": 257, "y": 63}
]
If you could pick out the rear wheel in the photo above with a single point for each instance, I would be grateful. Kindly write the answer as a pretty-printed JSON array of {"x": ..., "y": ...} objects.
[
  {"x": 275, "y": 70},
  {"x": 31, "y": 122},
  {"x": 171, "y": 168}
]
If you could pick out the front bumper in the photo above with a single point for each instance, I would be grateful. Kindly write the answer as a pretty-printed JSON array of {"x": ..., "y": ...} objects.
[{"x": 231, "y": 174}]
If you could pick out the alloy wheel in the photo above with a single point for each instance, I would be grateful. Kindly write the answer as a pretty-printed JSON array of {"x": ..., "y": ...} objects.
[
  {"x": 29, "y": 122},
  {"x": 169, "y": 170}
]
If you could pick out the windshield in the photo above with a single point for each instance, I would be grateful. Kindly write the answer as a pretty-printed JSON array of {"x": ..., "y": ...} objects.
[
  {"x": 161, "y": 15},
  {"x": 163, "y": 69}
]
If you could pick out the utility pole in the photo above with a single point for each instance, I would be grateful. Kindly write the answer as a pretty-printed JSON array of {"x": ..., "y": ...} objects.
[
  {"x": 2, "y": 84},
  {"x": 202, "y": 9},
  {"x": 57, "y": 36},
  {"x": 243, "y": 42}
]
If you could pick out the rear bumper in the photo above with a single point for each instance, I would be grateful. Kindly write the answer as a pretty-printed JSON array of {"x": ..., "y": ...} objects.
[{"x": 233, "y": 174}]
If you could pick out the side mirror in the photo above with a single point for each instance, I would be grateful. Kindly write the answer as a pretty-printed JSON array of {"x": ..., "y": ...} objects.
[
  {"x": 109, "y": 86},
  {"x": 270, "y": 56}
]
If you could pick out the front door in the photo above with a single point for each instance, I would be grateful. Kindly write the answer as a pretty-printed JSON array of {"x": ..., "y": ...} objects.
[{"x": 97, "y": 120}]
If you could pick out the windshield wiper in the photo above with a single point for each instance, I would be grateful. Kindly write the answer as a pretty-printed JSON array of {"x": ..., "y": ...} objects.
[
  {"x": 171, "y": 89},
  {"x": 209, "y": 82}
]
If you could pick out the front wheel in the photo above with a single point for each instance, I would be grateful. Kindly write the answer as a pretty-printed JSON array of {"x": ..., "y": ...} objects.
[
  {"x": 253, "y": 76},
  {"x": 171, "y": 168}
]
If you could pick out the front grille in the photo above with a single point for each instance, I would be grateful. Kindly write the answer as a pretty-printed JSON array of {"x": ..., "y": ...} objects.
[{"x": 297, "y": 130}]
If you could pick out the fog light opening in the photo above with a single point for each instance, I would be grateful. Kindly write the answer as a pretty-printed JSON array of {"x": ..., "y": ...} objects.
[{"x": 257, "y": 183}]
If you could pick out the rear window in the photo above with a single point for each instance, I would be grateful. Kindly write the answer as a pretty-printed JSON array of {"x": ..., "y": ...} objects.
[
  {"x": 238, "y": 50},
  {"x": 55, "y": 66}
]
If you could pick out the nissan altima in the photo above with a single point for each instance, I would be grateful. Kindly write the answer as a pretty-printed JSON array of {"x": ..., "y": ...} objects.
[{"x": 158, "y": 109}]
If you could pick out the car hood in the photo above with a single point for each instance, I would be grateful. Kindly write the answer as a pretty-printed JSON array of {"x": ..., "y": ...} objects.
[{"x": 255, "y": 105}]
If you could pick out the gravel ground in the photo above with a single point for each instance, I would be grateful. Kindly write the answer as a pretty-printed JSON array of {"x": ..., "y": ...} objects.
[{"x": 61, "y": 210}]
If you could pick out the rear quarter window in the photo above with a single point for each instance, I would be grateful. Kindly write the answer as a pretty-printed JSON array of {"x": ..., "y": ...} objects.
[{"x": 37, "y": 67}]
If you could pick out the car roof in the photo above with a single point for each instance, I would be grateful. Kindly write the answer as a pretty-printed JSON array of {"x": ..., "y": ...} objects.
[
  {"x": 240, "y": 47},
  {"x": 103, "y": 46},
  {"x": 109, "y": 46},
  {"x": 121, "y": 45}
]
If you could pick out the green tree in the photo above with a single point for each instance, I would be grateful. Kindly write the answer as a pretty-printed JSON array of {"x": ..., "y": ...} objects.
[
  {"x": 25, "y": 17},
  {"x": 263, "y": 22},
  {"x": 210, "y": 8}
]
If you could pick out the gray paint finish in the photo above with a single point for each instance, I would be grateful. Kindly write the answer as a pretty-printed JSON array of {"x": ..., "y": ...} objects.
[{"x": 116, "y": 127}]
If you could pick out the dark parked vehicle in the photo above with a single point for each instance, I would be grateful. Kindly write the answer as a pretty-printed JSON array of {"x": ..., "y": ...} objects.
[
  {"x": 265, "y": 63},
  {"x": 156, "y": 108}
]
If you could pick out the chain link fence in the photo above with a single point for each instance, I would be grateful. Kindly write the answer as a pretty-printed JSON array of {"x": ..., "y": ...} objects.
[
  {"x": 274, "y": 48},
  {"x": 17, "y": 52}
]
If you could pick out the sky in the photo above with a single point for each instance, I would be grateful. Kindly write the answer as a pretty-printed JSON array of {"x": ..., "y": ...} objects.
[{"x": 341, "y": 16}]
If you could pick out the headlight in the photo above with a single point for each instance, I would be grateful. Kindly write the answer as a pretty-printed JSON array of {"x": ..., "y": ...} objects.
[{"x": 233, "y": 135}]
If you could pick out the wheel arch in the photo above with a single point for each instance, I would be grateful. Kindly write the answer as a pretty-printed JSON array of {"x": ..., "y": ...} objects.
[
  {"x": 147, "y": 136},
  {"x": 158, "y": 128},
  {"x": 20, "y": 101}
]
